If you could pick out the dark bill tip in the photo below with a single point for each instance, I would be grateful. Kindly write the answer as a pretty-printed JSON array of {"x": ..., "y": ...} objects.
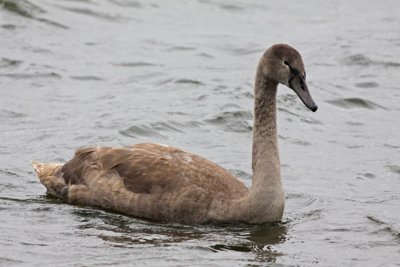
[{"x": 314, "y": 108}]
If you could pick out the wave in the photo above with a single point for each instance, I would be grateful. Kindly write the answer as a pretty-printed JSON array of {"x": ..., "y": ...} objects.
[{"x": 355, "y": 102}]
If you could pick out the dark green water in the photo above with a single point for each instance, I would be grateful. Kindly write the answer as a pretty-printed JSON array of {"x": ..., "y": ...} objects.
[{"x": 119, "y": 72}]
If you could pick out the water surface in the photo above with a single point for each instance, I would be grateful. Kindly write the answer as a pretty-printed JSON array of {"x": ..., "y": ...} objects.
[{"x": 118, "y": 72}]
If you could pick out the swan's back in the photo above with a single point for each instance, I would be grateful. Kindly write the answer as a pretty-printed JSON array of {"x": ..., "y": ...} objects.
[{"x": 146, "y": 180}]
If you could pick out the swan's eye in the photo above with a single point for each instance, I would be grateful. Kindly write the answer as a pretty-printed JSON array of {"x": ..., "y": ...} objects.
[{"x": 286, "y": 63}]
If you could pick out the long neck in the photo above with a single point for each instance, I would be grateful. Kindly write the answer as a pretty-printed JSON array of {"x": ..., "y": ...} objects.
[
  {"x": 265, "y": 200},
  {"x": 265, "y": 163},
  {"x": 266, "y": 194}
]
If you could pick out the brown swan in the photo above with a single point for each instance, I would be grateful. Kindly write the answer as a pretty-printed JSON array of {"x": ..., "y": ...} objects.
[{"x": 167, "y": 184}]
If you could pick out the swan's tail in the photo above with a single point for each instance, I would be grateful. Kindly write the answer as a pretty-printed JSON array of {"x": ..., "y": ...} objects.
[{"x": 51, "y": 176}]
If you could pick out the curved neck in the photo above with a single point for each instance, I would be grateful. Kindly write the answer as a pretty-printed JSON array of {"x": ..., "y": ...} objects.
[
  {"x": 265, "y": 163},
  {"x": 265, "y": 200},
  {"x": 266, "y": 195}
]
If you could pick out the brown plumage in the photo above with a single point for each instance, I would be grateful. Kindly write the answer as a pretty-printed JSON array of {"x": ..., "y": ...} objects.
[{"x": 167, "y": 184}]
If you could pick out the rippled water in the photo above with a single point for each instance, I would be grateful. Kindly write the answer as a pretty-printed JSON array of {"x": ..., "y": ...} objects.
[{"x": 118, "y": 72}]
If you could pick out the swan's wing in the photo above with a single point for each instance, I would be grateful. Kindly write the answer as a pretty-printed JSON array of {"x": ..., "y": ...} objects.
[
  {"x": 149, "y": 168},
  {"x": 75, "y": 170}
]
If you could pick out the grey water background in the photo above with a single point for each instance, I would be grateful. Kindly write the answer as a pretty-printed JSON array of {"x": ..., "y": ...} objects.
[{"x": 119, "y": 72}]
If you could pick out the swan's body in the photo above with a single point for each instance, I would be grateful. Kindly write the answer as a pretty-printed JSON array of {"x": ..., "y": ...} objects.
[{"x": 167, "y": 184}]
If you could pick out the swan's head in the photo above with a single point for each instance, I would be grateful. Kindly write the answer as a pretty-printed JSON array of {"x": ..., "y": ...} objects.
[{"x": 283, "y": 64}]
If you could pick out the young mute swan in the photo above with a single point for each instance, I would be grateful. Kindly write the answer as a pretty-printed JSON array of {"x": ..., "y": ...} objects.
[{"x": 167, "y": 184}]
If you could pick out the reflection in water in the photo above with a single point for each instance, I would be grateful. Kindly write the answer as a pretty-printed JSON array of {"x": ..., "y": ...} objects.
[
  {"x": 123, "y": 231},
  {"x": 260, "y": 241},
  {"x": 268, "y": 234}
]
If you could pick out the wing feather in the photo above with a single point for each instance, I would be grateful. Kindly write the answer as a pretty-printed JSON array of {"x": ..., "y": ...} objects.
[{"x": 150, "y": 168}]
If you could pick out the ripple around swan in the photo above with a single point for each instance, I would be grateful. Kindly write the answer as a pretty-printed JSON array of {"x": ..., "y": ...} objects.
[
  {"x": 231, "y": 7},
  {"x": 355, "y": 102},
  {"x": 28, "y": 10},
  {"x": 367, "y": 84},
  {"x": 86, "y": 78},
  {"x": 8, "y": 114},
  {"x": 23, "y": 8},
  {"x": 311, "y": 120},
  {"x": 247, "y": 50},
  {"x": 127, "y": 3},
  {"x": 9, "y": 26},
  {"x": 9, "y": 63},
  {"x": 357, "y": 59},
  {"x": 367, "y": 175},
  {"x": 307, "y": 207},
  {"x": 52, "y": 23},
  {"x": 394, "y": 168},
  {"x": 140, "y": 131},
  {"x": 189, "y": 81},
  {"x": 21, "y": 76},
  {"x": 92, "y": 13},
  {"x": 118, "y": 230},
  {"x": 181, "y": 48},
  {"x": 154, "y": 129},
  {"x": 133, "y": 64},
  {"x": 300, "y": 142},
  {"x": 363, "y": 60},
  {"x": 235, "y": 121},
  {"x": 205, "y": 55},
  {"x": 8, "y": 173},
  {"x": 354, "y": 123},
  {"x": 386, "y": 228}
]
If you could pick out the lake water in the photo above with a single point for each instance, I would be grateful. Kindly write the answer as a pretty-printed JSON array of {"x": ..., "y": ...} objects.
[{"x": 119, "y": 72}]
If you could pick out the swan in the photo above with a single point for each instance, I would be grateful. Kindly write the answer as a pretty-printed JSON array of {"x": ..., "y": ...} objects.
[{"x": 166, "y": 184}]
